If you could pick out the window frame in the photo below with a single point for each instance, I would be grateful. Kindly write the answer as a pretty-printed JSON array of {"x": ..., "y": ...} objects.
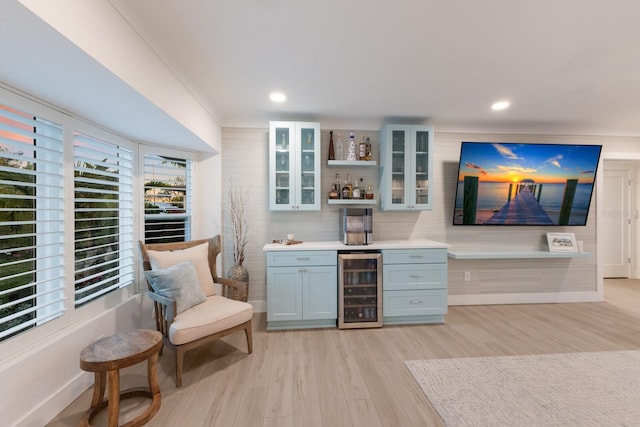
[
  {"x": 72, "y": 316},
  {"x": 148, "y": 149}
]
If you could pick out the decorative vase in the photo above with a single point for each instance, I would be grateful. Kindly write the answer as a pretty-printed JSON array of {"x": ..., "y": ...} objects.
[{"x": 239, "y": 272}]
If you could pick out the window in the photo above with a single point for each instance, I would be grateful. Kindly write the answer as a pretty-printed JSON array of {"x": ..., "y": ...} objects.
[
  {"x": 104, "y": 232},
  {"x": 70, "y": 216},
  {"x": 167, "y": 198},
  {"x": 66, "y": 219},
  {"x": 31, "y": 221}
]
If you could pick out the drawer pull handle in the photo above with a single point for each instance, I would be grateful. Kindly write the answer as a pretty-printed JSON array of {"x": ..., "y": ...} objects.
[
  {"x": 416, "y": 301},
  {"x": 416, "y": 276},
  {"x": 415, "y": 256},
  {"x": 303, "y": 258}
]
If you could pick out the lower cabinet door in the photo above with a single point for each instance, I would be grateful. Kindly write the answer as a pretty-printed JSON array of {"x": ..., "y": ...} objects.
[
  {"x": 284, "y": 294},
  {"x": 414, "y": 302},
  {"x": 320, "y": 293}
]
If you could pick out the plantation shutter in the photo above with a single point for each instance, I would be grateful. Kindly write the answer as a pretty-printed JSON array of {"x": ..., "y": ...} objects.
[
  {"x": 104, "y": 232},
  {"x": 167, "y": 199},
  {"x": 31, "y": 221}
]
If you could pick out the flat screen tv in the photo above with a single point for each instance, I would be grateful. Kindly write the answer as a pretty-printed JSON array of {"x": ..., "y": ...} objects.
[{"x": 525, "y": 184}]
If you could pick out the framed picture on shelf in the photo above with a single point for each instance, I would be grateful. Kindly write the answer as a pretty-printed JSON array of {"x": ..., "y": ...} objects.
[{"x": 562, "y": 242}]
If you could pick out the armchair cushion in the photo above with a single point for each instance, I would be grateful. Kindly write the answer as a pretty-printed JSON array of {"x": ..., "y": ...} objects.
[
  {"x": 178, "y": 282},
  {"x": 198, "y": 254},
  {"x": 216, "y": 314}
]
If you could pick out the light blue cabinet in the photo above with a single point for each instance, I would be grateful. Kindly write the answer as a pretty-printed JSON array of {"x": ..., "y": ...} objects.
[
  {"x": 302, "y": 289},
  {"x": 414, "y": 286},
  {"x": 284, "y": 294},
  {"x": 406, "y": 167},
  {"x": 294, "y": 166}
]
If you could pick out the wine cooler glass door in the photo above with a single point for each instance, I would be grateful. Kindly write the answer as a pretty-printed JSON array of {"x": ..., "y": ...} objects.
[{"x": 360, "y": 296}]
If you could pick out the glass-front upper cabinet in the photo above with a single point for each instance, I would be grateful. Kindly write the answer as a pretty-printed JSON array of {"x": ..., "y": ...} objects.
[
  {"x": 406, "y": 165},
  {"x": 294, "y": 166}
]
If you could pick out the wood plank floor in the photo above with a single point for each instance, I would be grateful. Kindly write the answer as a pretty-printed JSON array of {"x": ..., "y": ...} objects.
[{"x": 356, "y": 378}]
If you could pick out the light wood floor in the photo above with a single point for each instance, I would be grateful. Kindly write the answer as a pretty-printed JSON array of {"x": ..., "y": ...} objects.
[{"x": 334, "y": 378}]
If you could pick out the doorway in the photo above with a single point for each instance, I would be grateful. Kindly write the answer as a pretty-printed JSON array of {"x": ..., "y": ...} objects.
[{"x": 617, "y": 218}]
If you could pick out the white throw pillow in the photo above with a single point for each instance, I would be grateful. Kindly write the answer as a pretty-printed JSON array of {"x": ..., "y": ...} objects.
[
  {"x": 198, "y": 254},
  {"x": 178, "y": 282}
]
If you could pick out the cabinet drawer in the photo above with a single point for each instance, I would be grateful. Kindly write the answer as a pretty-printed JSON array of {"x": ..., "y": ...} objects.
[
  {"x": 300, "y": 258},
  {"x": 414, "y": 256},
  {"x": 414, "y": 303},
  {"x": 414, "y": 276}
]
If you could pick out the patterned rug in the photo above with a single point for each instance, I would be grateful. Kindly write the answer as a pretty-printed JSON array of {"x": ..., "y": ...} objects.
[{"x": 571, "y": 389}]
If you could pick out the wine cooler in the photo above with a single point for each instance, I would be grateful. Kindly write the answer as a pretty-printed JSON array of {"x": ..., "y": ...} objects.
[{"x": 360, "y": 290}]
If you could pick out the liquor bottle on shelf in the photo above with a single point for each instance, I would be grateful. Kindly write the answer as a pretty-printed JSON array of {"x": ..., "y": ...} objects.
[
  {"x": 369, "y": 194},
  {"x": 362, "y": 149},
  {"x": 334, "y": 193},
  {"x": 368, "y": 153},
  {"x": 348, "y": 188},
  {"x": 352, "y": 147},
  {"x": 332, "y": 154},
  {"x": 339, "y": 150},
  {"x": 362, "y": 193},
  {"x": 355, "y": 194}
]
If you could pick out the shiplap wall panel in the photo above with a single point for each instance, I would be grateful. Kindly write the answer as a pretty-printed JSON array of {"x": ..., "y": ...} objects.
[{"x": 245, "y": 160}]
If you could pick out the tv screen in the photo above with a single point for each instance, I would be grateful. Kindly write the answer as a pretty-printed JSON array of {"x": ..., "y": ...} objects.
[{"x": 525, "y": 184}]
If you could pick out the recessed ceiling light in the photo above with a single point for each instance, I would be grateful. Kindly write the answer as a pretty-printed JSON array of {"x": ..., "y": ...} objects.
[
  {"x": 277, "y": 97},
  {"x": 500, "y": 105}
]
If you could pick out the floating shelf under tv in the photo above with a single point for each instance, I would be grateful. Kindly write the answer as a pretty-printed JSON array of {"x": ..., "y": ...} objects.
[{"x": 482, "y": 254}]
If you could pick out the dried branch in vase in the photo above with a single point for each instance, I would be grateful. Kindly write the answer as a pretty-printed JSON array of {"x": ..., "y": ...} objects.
[{"x": 237, "y": 205}]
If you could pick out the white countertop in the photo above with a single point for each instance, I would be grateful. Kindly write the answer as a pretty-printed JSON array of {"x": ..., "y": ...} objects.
[{"x": 336, "y": 245}]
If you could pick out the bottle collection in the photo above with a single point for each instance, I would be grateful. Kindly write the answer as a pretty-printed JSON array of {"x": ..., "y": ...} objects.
[
  {"x": 354, "y": 151},
  {"x": 351, "y": 151},
  {"x": 349, "y": 190}
]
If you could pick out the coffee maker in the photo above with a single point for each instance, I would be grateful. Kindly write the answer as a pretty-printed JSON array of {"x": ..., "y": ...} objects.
[{"x": 356, "y": 226}]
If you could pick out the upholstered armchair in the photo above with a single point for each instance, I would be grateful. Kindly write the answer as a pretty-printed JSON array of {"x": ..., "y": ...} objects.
[{"x": 189, "y": 312}]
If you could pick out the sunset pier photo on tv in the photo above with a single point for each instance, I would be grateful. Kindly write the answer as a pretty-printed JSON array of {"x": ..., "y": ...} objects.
[{"x": 525, "y": 184}]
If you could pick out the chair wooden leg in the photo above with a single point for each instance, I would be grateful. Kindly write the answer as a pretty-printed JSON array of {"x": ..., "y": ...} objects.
[
  {"x": 179, "y": 364},
  {"x": 114, "y": 397},
  {"x": 247, "y": 332}
]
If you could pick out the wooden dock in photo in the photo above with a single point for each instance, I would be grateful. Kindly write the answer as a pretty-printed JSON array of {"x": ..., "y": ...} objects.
[{"x": 523, "y": 208}]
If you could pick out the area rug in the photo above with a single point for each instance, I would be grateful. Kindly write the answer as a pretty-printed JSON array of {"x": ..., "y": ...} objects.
[{"x": 569, "y": 389}]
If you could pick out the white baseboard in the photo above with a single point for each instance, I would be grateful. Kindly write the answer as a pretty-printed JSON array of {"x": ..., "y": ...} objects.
[
  {"x": 259, "y": 306},
  {"x": 526, "y": 298}
]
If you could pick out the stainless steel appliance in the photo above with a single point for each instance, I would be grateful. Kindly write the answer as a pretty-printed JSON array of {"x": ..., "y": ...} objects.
[
  {"x": 356, "y": 226},
  {"x": 359, "y": 289}
]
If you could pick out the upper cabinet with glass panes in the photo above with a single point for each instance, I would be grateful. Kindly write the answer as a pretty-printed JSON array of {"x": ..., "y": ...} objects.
[
  {"x": 294, "y": 166},
  {"x": 406, "y": 167}
]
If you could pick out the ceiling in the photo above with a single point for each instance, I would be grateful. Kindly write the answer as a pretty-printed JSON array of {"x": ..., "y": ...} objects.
[{"x": 567, "y": 67}]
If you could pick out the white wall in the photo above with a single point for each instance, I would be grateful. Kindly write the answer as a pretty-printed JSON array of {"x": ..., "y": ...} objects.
[{"x": 98, "y": 30}]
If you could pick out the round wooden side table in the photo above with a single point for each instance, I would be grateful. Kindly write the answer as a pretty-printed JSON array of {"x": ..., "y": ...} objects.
[{"x": 106, "y": 357}]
